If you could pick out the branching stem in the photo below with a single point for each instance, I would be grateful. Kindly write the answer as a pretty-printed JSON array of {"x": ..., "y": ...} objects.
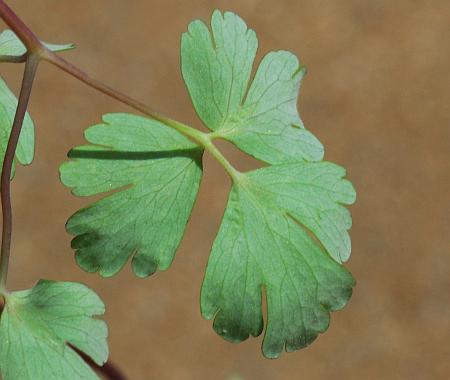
[
  {"x": 33, "y": 44},
  {"x": 200, "y": 138},
  {"x": 36, "y": 51}
]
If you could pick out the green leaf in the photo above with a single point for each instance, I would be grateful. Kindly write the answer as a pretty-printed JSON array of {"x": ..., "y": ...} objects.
[
  {"x": 261, "y": 119},
  {"x": 284, "y": 232},
  {"x": 263, "y": 245},
  {"x": 313, "y": 194},
  {"x": 156, "y": 172},
  {"x": 25, "y": 147},
  {"x": 11, "y": 46},
  {"x": 38, "y": 327}
]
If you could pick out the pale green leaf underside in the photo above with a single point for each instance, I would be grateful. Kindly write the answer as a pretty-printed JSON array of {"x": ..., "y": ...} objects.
[
  {"x": 11, "y": 46},
  {"x": 156, "y": 172},
  {"x": 284, "y": 233},
  {"x": 37, "y": 326},
  {"x": 315, "y": 195},
  {"x": 25, "y": 147},
  {"x": 261, "y": 118},
  {"x": 263, "y": 245}
]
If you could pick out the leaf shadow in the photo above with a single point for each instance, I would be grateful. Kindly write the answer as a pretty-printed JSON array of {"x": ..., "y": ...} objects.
[{"x": 77, "y": 153}]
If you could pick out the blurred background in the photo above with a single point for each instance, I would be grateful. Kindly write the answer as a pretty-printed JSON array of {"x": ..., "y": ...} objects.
[{"x": 377, "y": 95}]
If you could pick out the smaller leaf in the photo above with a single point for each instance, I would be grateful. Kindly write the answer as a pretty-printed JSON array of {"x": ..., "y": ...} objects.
[
  {"x": 260, "y": 117},
  {"x": 315, "y": 195},
  {"x": 263, "y": 245},
  {"x": 38, "y": 327},
  {"x": 12, "y": 46},
  {"x": 156, "y": 173},
  {"x": 25, "y": 147}
]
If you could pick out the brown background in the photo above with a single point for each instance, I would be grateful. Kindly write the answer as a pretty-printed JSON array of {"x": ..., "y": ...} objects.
[{"x": 377, "y": 94}]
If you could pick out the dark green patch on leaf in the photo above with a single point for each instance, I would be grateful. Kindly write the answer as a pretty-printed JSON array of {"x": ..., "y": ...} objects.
[{"x": 261, "y": 245}]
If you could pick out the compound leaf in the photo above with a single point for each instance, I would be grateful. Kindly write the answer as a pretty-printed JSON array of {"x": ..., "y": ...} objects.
[
  {"x": 12, "y": 47},
  {"x": 156, "y": 172},
  {"x": 25, "y": 147},
  {"x": 263, "y": 244},
  {"x": 261, "y": 120},
  {"x": 284, "y": 231},
  {"x": 39, "y": 327}
]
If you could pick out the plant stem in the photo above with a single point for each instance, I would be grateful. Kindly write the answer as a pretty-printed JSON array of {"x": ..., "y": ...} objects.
[
  {"x": 202, "y": 139},
  {"x": 35, "y": 52},
  {"x": 217, "y": 154},
  {"x": 5, "y": 184},
  {"x": 77, "y": 73},
  {"x": 33, "y": 44}
]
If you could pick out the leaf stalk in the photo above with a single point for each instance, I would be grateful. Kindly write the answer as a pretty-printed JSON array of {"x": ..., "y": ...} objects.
[{"x": 33, "y": 44}]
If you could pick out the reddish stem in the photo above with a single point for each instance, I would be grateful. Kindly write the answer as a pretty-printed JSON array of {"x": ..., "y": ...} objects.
[
  {"x": 5, "y": 184},
  {"x": 35, "y": 51}
]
